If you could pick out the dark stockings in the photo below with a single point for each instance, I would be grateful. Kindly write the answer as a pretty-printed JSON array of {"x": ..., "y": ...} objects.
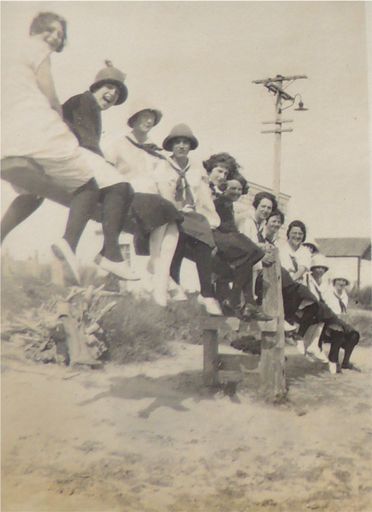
[
  {"x": 198, "y": 252},
  {"x": 116, "y": 203}
]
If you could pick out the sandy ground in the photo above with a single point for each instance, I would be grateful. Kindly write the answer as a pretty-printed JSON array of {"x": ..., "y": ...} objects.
[{"x": 150, "y": 438}]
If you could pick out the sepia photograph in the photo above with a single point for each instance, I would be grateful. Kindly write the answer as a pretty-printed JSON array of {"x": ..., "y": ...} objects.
[{"x": 186, "y": 263}]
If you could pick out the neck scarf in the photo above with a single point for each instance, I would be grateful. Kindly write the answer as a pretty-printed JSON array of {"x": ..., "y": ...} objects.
[
  {"x": 294, "y": 262},
  {"x": 183, "y": 190},
  {"x": 149, "y": 147},
  {"x": 341, "y": 303}
]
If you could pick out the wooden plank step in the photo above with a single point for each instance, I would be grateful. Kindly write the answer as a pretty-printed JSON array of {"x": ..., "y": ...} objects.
[{"x": 238, "y": 362}]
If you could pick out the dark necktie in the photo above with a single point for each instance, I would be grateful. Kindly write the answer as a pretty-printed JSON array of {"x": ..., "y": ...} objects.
[
  {"x": 294, "y": 263},
  {"x": 341, "y": 303}
]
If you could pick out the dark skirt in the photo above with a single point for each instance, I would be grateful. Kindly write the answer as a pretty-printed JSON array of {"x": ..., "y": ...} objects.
[
  {"x": 196, "y": 226},
  {"x": 146, "y": 213},
  {"x": 236, "y": 246}
]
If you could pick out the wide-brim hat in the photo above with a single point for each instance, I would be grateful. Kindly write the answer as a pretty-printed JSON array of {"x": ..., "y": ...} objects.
[
  {"x": 318, "y": 260},
  {"x": 144, "y": 108},
  {"x": 311, "y": 243},
  {"x": 111, "y": 75},
  {"x": 180, "y": 130},
  {"x": 341, "y": 278}
]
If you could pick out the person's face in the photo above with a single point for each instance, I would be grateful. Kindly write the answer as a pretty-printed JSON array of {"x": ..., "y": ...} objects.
[
  {"x": 264, "y": 209},
  {"x": 318, "y": 272},
  {"x": 53, "y": 35},
  {"x": 144, "y": 122},
  {"x": 181, "y": 147},
  {"x": 340, "y": 286},
  {"x": 274, "y": 224},
  {"x": 106, "y": 96},
  {"x": 218, "y": 175},
  {"x": 233, "y": 190},
  {"x": 295, "y": 237}
]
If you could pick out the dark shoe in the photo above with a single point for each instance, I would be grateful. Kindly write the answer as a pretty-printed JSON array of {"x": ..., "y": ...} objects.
[
  {"x": 350, "y": 366},
  {"x": 231, "y": 310},
  {"x": 251, "y": 312}
]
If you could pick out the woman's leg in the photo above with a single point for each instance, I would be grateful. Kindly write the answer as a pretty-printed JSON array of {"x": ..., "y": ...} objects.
[
  {"x": 163, "y": 243},
  {"x": 351, "y": 339},
  {"x": 179, "y": 254},
  {"x": 19, "y": 210},
  {"x": 82, "y": 205},
  {"x": 116, "y": 202},
  {"x": 202, "y": 255},
  {"x": 243, "y": 282}
]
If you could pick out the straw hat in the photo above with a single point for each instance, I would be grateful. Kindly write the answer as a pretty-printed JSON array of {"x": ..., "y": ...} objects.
[
  {"x": 341, "y": 277},
  {"x": 313, "y": 244},
  {"x": 114, "y": 76},
  {"x": 318, "y": 260},
  {"x": 180, "y": 130},
  {"x": 143, "y": 107}
]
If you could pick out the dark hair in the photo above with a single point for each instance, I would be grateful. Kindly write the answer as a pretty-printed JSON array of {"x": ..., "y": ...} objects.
[
  {"x": 297, "y": 224},
  {"x": 265, "y": 195},
  {"x": 42, "y": 21},
  {"x": 224, "y": 159},
  {"x": 277, "y": 213}
]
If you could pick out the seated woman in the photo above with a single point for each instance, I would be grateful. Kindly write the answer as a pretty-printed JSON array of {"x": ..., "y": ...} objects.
[
  {"x": 236, "y": 255},
  {"x": 34, "y": 129},
  {"x": 336, "y": 298},
  {"x": 152, "y": 219},
  {"x": 305, "y": 308},
  {"x": 220, "y": 168},
  {"x": 186, "y": 185},
  {"x": 294, "y": 257}
]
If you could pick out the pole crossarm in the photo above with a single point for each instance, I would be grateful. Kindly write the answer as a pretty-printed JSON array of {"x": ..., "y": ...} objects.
[
  {"x": 278, "y": 78},
  {"x": 278, "y": 131},
  {"x": 278, "y": 122}
]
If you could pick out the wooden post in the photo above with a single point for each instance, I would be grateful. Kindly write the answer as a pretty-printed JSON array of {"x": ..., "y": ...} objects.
[
  {"x": 76, "y": 341},
  {"x": 210, "y": 357},
  {"x": 278, "y": 144},
  {"x": 271, "y": 368},
  {"x": 358, "y": 275}
]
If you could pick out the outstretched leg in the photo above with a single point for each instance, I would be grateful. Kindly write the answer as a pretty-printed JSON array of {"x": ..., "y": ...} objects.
[
  {"x": 19, "y": 210},
  {"x": 163, "y": 243}
]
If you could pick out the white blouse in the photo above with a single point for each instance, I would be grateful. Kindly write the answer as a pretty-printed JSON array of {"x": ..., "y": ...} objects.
[
  {"x": 197, "y": 178},
  {"x": 333, "y": 300},
  {"x": 289, "y": 257},
  {"x": 135, "y": 164}
]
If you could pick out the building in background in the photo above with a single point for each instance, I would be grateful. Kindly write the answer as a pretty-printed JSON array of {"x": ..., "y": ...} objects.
[{"x": 349, "y": 257}]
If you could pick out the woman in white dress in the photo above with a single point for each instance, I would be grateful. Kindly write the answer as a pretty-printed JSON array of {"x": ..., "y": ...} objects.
[
  {"x": 34, "y": 129},
  {"x": 152, "y": 219}
]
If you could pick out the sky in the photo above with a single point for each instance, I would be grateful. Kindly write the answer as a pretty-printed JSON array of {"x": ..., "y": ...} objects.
[{"x": 196, "y": 61}]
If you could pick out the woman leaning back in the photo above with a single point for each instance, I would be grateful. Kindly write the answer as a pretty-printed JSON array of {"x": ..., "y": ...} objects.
[{"x": 35, "y": 130}]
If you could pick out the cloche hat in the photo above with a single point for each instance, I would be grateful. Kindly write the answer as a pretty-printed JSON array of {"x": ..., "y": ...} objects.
[
  {"x": 180, "y": 130},
  {"x": 340, "y": 277},
  {"x": 111, "y": 75},
  {"x": 143, "y": 107},
  {"x": 318, "y": 260}
]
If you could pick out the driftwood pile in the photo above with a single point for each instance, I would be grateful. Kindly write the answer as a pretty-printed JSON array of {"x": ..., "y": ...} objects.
[{"x": 65, "y": 330}]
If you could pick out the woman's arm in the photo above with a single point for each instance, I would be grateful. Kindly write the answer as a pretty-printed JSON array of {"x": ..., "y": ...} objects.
[
  {"x": 46, "y": 85},
  {"x": 299, "y": 273}
]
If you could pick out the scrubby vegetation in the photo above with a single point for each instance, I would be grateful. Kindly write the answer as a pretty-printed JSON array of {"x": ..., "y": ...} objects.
[{"x": 137, "y": 329}]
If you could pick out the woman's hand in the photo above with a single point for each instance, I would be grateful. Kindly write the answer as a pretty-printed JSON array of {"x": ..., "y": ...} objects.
[{"x": 188, "y": 208}]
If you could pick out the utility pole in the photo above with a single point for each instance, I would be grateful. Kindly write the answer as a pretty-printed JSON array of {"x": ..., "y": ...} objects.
[{"x": 275, "y": 86}]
